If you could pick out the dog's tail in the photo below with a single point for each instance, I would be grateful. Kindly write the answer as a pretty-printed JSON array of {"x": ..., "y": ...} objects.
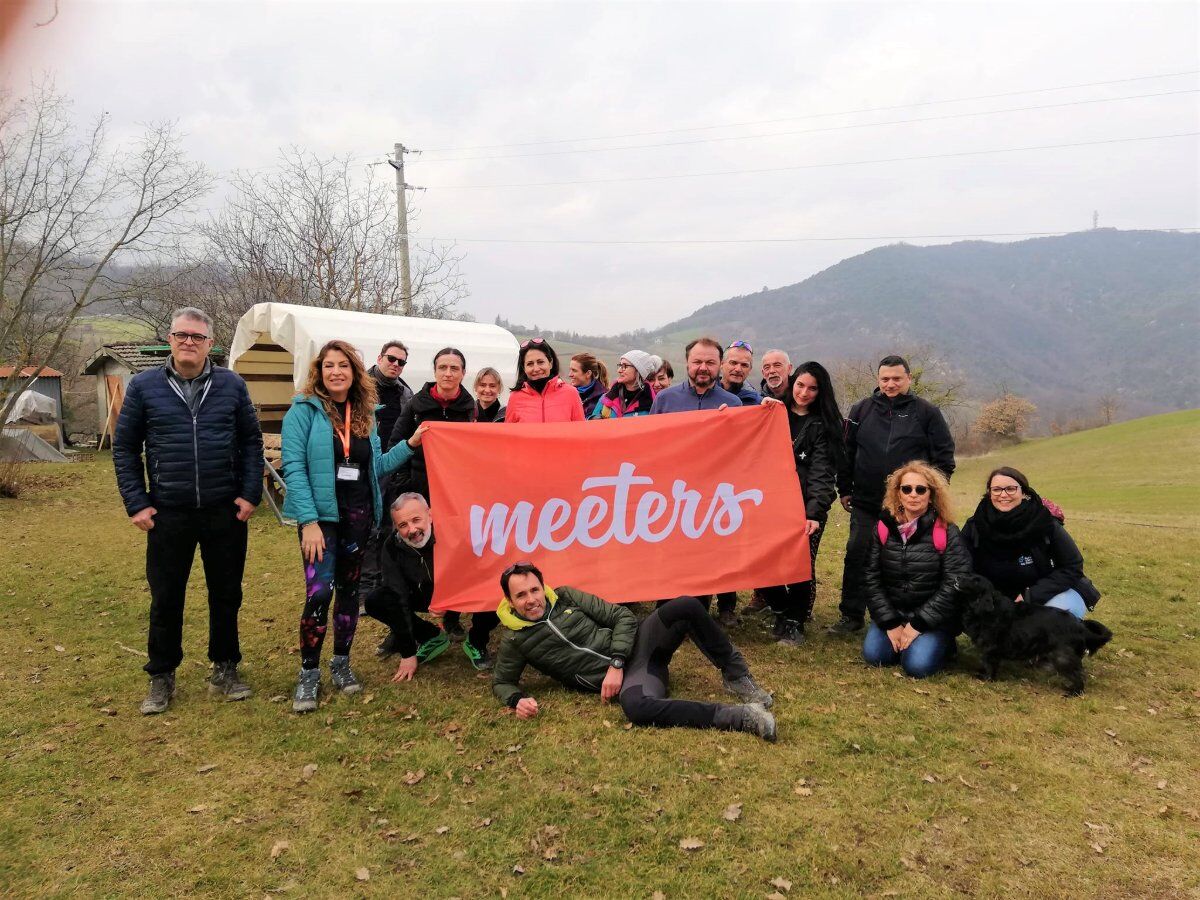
[{"x": 1097, "y": 635}]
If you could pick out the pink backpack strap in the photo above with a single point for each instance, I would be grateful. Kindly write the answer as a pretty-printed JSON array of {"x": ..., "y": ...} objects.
[
  {"x": 939, "y": 536},
  {"x": 882, "y": 531}
]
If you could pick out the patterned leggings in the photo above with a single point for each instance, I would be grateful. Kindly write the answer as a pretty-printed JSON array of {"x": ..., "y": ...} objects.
[
  {"x": 345, "y": 542},
  {"x": 795, "y": 601}
]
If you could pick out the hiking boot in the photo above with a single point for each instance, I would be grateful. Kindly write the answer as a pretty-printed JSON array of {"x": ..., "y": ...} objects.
[
  {"x": 387, "y": 647},
  {"x": 162, "y": 689},
  {"x": 342, "y": 677},
  {"x": 307, "y": 688},
  {"x": 779, "y": 629},
  {"x": 751, "y": 717},
  {"x": 480, "y": 659},
  {"x": 846, "y": 625},
  {"x": 746, "y": 689},
  {"x": 433, "y": 648},
  {"x": 225, "y": 681},
  {"x": 452, "y": 625},
  {"x": 793, "y": 634},
  {"x": 727, "y": 617},
  {"x": 757, "y": 604}
]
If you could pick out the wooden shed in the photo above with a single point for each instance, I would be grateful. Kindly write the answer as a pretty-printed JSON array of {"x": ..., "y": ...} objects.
[{"x": 114, "y": 364}]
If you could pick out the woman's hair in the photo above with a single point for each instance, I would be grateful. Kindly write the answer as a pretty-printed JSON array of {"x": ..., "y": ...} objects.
[
  {"x": 485, "y": 372},
  {"x": 589, "y": 363},
  {"x": 827, "y": 406},
  {"x": 362, "y": 397},
  {"x": 666, "y": 367},
  {"x": 939, "y": 487},
  {"x": 1007, "y": 472},
  {"x": 542, "y": 346},
  {"x": 450, "y": 351}
]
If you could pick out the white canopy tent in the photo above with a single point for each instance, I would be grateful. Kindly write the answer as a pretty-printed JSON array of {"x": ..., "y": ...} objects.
[{"x": 275, "y": 343}]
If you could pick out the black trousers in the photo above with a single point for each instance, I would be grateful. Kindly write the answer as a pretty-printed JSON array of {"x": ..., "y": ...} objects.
[
  {"x": 858, "y": 548},
  {"x": 170, "y": 550},
  {"x": 411, "y": 630},
  {"x": 482, "y": 625},
  {"x": 645, "y": 689},
  {"x": 795, "y": 601}
]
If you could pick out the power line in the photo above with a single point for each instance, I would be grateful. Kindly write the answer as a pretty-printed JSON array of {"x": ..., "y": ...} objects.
[
  {"x": 850, "y": 112},
  {"x": 827, "y": 128},
  {"x": 788, "y": 240},
  {"x": 828, "y": 165}
]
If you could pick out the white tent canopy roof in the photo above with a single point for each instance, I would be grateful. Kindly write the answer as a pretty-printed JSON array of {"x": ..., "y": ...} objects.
[{"x": 303, "y": 330}]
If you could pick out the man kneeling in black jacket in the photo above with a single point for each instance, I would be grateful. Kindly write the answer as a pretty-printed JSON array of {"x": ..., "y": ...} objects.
[{"x": 592, "y": 645}]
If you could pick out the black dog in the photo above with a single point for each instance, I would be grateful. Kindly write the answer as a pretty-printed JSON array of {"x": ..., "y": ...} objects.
[{"x": 1002, "y": 629}]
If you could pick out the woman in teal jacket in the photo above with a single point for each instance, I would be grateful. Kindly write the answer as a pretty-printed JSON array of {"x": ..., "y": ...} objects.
[{"x": 332, "y": 463}]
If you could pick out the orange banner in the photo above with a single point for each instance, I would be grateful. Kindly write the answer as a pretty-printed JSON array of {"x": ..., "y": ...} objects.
[{"x": 637, "y": 509}]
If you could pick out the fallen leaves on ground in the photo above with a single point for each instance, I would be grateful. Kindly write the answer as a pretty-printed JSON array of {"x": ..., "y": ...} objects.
[
  {"x": 308, "y": 771},
  {"x": 691, "y": 843},
  {"x": 362, "y": 874},
  {"x": 732, "y": 813},
  {"x": 782, "y": 883},
  {"x": 207, "y": 767},
  {"x": 411, "y": 778},
  {"x": 278, "y": 848}
]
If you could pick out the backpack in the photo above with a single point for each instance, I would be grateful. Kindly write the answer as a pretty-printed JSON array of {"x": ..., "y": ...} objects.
[{"x": 939, "y": 534}]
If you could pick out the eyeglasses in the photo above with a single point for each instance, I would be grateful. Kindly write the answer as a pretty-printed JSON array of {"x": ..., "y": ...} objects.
[
  {"x": 1010, "y": 490},
  {"x": 395, "y": 360},
  {"x": 742, "y": 345},
  {"x": 536, "y": 340},
  {"x": 919, "y": 489},
  {"x": 624, "y": 365},
  {"x": 188, "y": 337}
]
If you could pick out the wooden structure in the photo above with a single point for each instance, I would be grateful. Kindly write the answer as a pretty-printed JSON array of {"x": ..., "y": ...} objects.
[{"x": 48, "y": 384}]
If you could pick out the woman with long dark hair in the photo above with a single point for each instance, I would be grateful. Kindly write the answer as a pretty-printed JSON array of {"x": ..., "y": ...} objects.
[
  {"x": 332, "y": 463},
  {"x": 539, "y": 394},
  {"x": 815, "y": 425}
]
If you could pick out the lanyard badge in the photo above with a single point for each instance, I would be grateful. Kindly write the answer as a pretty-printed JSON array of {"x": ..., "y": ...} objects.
[{"x": 346, "y": 470}]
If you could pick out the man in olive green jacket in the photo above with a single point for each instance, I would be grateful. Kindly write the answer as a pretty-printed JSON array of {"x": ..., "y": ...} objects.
[{"x": 592, "y": 645}]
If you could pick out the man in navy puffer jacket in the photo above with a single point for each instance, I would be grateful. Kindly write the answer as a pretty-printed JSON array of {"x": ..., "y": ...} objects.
[{"x": 190, "y": 430}]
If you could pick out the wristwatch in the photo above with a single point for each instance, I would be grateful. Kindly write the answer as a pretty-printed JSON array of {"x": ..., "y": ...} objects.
[{"x": 617, "y": 662}]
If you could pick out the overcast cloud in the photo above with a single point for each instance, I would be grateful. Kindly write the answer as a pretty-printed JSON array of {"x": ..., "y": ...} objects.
[{"x": 247, "y": 78}]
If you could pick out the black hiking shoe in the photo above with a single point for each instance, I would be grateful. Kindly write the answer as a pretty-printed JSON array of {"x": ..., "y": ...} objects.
[
  {"x": 846, "y": 625},
  {"x": 387, "y": 647},
  {"x": 727, "y": 618},
  {"x": 746, "y": 690},
  {"x": 453, "y": 628},
  {"x": 162, "y": 689},
  {"x": 342, "y": 676},
  {"x": 793, "y": 634},
  {"x": 752, "y": 718},
  {"x": 779, "y": 629},
  {"x": 225, "y": 681}
]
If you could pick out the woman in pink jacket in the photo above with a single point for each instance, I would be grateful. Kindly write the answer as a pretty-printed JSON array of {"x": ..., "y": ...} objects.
[{"x": 539, "y": 394}]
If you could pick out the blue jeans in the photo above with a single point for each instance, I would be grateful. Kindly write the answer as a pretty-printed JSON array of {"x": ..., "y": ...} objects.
[
  {"x": 1070, "y": 601},
  {"x": 925, "y": 656}
]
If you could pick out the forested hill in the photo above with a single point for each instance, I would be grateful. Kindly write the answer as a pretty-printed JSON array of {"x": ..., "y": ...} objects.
[{"x": 1059, "y": 319}]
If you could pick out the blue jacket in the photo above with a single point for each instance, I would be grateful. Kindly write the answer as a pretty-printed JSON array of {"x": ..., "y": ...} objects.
[
  {"x": 683, "y": 398},
  {"x": 309, "y": 466},
  {"x": 748, "y": 395},
  {"x": 191, "y": 462}
]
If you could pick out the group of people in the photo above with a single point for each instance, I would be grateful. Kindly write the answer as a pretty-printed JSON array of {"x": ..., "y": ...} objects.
[{"x": 188, "y": 456}]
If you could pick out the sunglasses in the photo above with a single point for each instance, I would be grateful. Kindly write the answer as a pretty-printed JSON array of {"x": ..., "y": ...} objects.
[
  {"x": 537, "y": 341},
  {"x": 511, "y": 569},
  {"x": 396, "y": 360},
  {"x": 189, "y": 337},
  {"x": 919, "y": 489},
  {"x": 741, "y": 345}
]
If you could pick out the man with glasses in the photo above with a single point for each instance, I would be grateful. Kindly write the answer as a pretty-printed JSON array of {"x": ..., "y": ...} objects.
[
  {"x": 735, "y": 369},
  {"x": 883, "y": 432},
  {"x": 589, "y": 644},
  {"x": 189, "y": 460}
]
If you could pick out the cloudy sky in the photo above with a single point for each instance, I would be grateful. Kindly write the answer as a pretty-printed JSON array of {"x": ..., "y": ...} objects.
[{"x": 621, "y": 99}]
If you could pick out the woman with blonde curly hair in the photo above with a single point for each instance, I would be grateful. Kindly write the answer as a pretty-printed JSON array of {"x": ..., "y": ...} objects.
[
  {"x": 332, "y": 463},
  {"x": 915, "y": 554}
]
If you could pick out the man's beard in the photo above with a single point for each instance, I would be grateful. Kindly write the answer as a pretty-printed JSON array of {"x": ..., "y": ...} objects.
[{"x": 418, "y": 543}]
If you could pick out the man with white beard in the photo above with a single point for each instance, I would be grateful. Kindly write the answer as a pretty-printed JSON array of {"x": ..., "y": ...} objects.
[{"x": 407, "y": 588}]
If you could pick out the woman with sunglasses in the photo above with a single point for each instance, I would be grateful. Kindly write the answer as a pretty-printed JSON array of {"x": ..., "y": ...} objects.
[
  {"x": 590, "y": 377},
  {"x": 915, "y": 555},
  {"x": 539, "y": 394},
  {"x": 332, "y": 464},
  {"x": 1018, "y": 544},
  {"x": 631, "y": 394}
]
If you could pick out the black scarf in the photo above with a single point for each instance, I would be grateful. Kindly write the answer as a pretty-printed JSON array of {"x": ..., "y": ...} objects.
[
  {"x": 538, "y": 384},
  {"x": 1024, "y": 525},
  {"x": 379, "y": 376}
]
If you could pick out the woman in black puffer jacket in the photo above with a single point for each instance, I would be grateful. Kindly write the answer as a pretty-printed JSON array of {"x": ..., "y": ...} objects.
[{"x": 914, "y": 614}]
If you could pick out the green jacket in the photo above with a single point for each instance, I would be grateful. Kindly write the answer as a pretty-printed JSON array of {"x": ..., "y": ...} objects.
[
  {"x": 309, "y": 468},
  {"x": 574, "y": 642}
]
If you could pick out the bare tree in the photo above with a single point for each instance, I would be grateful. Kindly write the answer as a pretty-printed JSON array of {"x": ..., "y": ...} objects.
[
  {"x": 1006, "y": 418},
  {"x": 69, "y": 211},
  {"x": 1109, "y": 405}
]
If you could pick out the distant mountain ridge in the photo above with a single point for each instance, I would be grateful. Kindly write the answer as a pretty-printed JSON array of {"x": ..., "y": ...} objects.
[{"x": 1055, "y": 319}]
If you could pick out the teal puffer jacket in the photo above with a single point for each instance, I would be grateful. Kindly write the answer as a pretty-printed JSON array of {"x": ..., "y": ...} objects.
[{"x": 309, "y": 466}]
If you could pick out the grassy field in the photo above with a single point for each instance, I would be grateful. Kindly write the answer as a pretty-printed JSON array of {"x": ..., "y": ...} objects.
[{"x": 879, "y": 786}]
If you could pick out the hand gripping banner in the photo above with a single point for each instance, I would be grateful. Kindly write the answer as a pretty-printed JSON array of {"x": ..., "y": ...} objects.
[{"x": 636, "y": 509}]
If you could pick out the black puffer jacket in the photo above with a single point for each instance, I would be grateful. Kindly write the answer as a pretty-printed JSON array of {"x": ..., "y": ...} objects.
[
  {"x": 814, "y": 464},
  {"x": 423, "y": 408},
  {"x": 1038, "y": 570},
  {"x": 393, "y": 394},
  {"x": 882, "y": 435},
  {"x": 910, "y": 582},
  {"x": 190, "y": 461}
]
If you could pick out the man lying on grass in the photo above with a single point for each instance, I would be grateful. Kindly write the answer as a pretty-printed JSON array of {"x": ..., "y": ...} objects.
[{"x": 590, "y": 644}]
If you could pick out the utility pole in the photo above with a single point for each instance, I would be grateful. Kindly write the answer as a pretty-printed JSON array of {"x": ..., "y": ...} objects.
[
  {"x": 1095, "y": 219},
  {"x": 406, "y": 299}
]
